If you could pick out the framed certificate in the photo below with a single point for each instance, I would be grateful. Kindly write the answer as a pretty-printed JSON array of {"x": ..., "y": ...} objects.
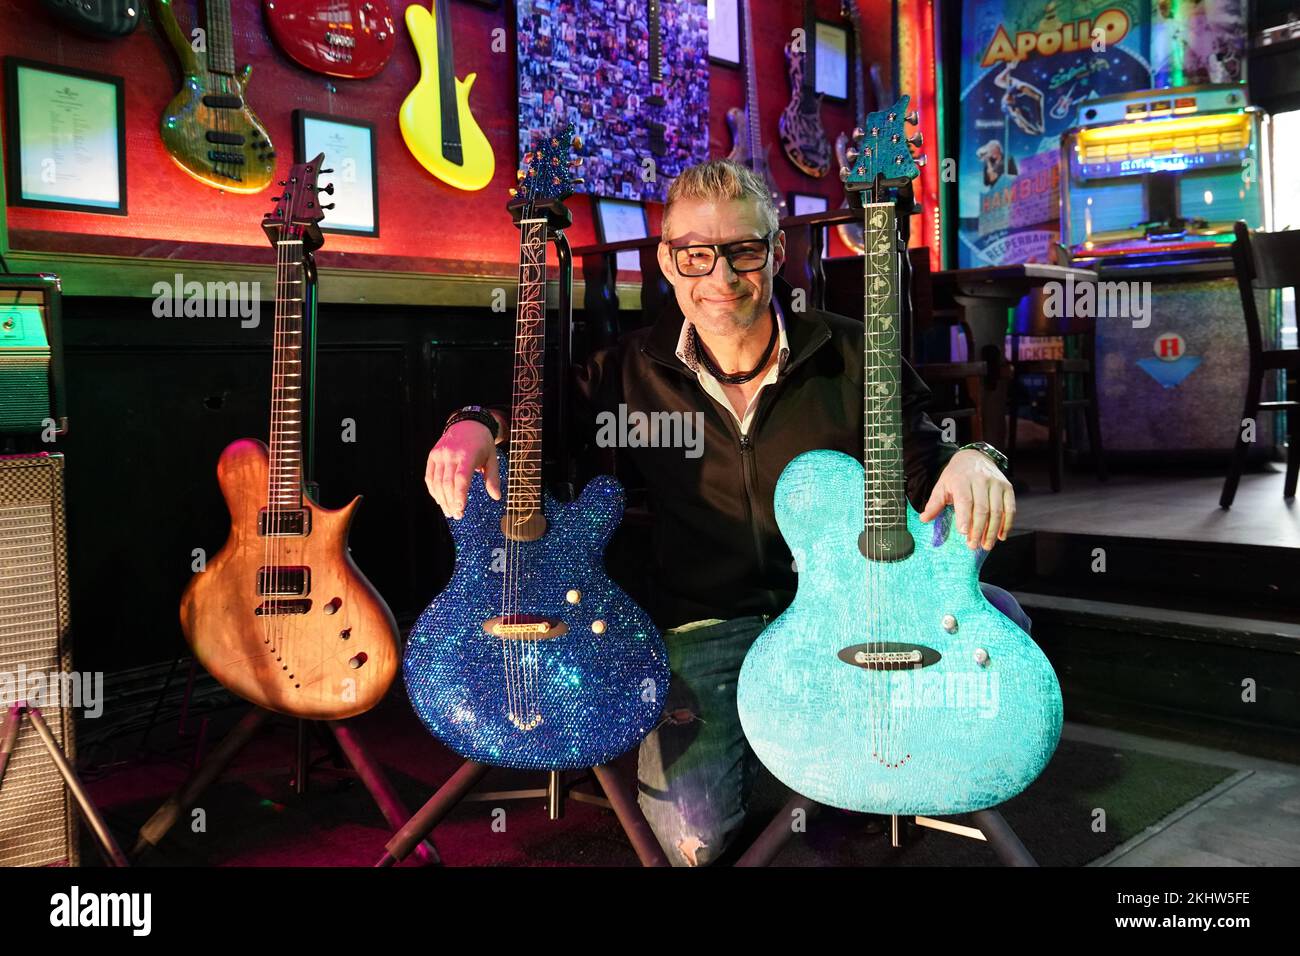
[
  {"x": 832, "y": 79},
  {"x": 349, "y": 148},
  {"x": 66, "y": 132},
  {"x": 724, "y": 32},
  {"x": 619, "y": 219}
]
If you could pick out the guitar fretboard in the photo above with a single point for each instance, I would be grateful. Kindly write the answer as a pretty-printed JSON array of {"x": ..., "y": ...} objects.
[
  {"x": 284, "y": 491},
  {"x": 524, "y": 488},
  {"x": 751, "y": 90},
  {"x": 885, "y": 500},
  {"x": 220, "y": 39}
]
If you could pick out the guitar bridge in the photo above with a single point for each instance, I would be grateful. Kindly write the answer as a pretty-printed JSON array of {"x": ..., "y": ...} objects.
[
  {"x": 883, "y": 656},
  {"x": 524, "y": 627},
  {"x": 277, "y": 607}
]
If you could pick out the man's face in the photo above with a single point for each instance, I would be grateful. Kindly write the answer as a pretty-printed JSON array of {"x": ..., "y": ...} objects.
[{"x": 724, "y": 301}]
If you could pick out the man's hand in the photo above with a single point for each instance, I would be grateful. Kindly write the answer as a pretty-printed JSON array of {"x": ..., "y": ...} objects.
[
  {"x": 463, "y": 449},
  {"x": 983, "y": 501}
]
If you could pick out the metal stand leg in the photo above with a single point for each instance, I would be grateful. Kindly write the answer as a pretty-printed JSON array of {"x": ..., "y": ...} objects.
[
  {"x": 431, "y": 814},
  {"x": 1003, "y": 839},
  {"x": 638, "y": 831},
  {"x": 990, "y": 827},
  {"x": 374, "y": 779},
  {"x": 777, "y": 833},
  {"x": 471, "y": 772},
  {"x": 112, "y": 852},
  {"x": 165, "y": 817}
]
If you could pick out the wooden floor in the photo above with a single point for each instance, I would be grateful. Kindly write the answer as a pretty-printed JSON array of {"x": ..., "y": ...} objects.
[{"x": 1166, "y": 507}]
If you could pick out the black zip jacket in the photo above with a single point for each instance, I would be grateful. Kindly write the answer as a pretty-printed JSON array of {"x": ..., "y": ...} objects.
[{"x": 717, "y": 550}]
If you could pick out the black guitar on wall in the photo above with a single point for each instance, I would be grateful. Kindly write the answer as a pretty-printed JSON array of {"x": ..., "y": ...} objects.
[{"x": 99, "y": 18}]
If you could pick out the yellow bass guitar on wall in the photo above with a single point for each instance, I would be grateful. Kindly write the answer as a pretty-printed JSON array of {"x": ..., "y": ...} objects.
[{"x": 436, "y": 122}]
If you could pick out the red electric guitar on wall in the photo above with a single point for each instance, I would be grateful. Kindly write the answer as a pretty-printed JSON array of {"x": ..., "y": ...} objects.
[{"x": 348, "y": 38}]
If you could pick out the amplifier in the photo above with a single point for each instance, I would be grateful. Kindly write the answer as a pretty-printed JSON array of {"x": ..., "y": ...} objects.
[
  {"x": 31, "y": 356},
  {"x": 37, "y": 813}
]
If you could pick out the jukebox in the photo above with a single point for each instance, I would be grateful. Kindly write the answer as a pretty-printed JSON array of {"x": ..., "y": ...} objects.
[{"x": 1152, "y": 182}]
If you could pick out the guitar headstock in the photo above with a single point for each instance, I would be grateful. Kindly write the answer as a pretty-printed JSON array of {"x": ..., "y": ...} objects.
[
  {"x": 297, "y": 213},
  {"x": 882, "y": 154},
  {"x": 548, "y": 168}
]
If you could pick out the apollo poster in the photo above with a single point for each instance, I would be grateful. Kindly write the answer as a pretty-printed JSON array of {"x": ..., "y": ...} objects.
[{"x": 1026, "y": 67}]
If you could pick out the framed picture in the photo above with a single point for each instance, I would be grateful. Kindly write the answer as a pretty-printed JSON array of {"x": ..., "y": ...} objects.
[
  {"x": 349, "y": 148},
  {"x": 66, "y": 132},
  {"x": 832, "y": 79},
  {"x": 724, "y": 32},
  {"x": 803, "y": 203},
  {"x": 619, "y": 219}
]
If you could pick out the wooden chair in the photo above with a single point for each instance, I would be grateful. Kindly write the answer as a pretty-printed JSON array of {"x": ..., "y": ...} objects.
[
  {"x": 1266, "y": 260},
  {"x": 1083, "y": 330}
]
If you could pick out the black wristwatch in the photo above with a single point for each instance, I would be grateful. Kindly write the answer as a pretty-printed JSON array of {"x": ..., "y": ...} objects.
[
  {"x": 475, "y": 413},
  {"x": 991, "y": 453}
]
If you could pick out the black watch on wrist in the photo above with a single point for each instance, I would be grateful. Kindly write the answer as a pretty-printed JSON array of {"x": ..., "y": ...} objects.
[
  {"x": 475, "y": 413},
  {"x": 991, "y": 453}
]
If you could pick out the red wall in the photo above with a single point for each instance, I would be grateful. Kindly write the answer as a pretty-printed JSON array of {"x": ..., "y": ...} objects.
[{"x": 425, "y": 225}]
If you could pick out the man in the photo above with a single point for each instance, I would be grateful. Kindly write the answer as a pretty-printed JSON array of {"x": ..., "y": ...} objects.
[{"x": 767, "y": 382}]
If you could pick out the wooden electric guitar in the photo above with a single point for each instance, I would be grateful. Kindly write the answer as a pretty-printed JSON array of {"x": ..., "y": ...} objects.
[
  {"x": 747, "y": 142},
  {"x": 890, "y": 685},
  {"x": 802, "y": 134},
  {"x": 281, "y": 616},
  {"x": 353, "y": 39},
  {"x": 207, "y": 127},
  {"x": 436, "y": 123},
  {"x": 656, "y": 101},
  {"x": 531, "y": 657}
]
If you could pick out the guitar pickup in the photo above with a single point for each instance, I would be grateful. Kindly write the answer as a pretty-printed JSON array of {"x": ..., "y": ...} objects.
[
  {"x": 225, "y": 138},
  {"x": 230, "y": 159},
  {"x": 222, "y": 101},
  {"x": 283, "y": 580},
  {"x": 275, "y": 607},
  {"x": 280, "y": 524}
]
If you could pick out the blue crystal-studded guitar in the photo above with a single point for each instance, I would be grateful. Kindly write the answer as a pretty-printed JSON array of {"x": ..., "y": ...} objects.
[
  {"x": 531, "y": 657},
  {"x": 890, "y": 685}
]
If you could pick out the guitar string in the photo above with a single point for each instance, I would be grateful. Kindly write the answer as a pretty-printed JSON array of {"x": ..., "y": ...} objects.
[
  {"x": 508, "y": 596},
  {"x": 270, "y": 484}
]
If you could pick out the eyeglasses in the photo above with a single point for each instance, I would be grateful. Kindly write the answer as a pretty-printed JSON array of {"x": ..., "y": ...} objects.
[{"x": 745, "y": 255}]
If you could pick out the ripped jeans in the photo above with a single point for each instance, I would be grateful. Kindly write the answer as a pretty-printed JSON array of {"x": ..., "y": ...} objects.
[{"x": 696, "y": 770}]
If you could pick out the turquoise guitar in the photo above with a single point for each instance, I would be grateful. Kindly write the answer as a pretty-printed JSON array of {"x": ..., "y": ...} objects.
[{"x": 890, "y": 685}]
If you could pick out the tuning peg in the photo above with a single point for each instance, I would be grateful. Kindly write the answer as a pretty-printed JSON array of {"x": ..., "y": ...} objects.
[
  {"x": 577, "y": 182},
  {"x": 916, "y": 139},
  {"x": 576, "y": 142},
  {"x": 328, "y": 190},
  {"x": 329, "y": 206},
  {"x": 912, "y": 117},
  {"x": 576, "y": 161},
  {"x": 327, "y": 170},
  {"x": 859, "y": 132},
  {"x": 844, "y": 172},
  {"x": 519, "y": 174},
  {"x": 514, "y": 192},
  {"x": 920, "y": 160}
]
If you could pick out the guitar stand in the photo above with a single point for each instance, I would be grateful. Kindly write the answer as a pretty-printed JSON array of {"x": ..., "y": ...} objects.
[
  {"x": 364, "y": 767},
  {"x": 990, "y": 827},
  {"x": 457, "y": 789},
  {"x": 112, "y": 852}
]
